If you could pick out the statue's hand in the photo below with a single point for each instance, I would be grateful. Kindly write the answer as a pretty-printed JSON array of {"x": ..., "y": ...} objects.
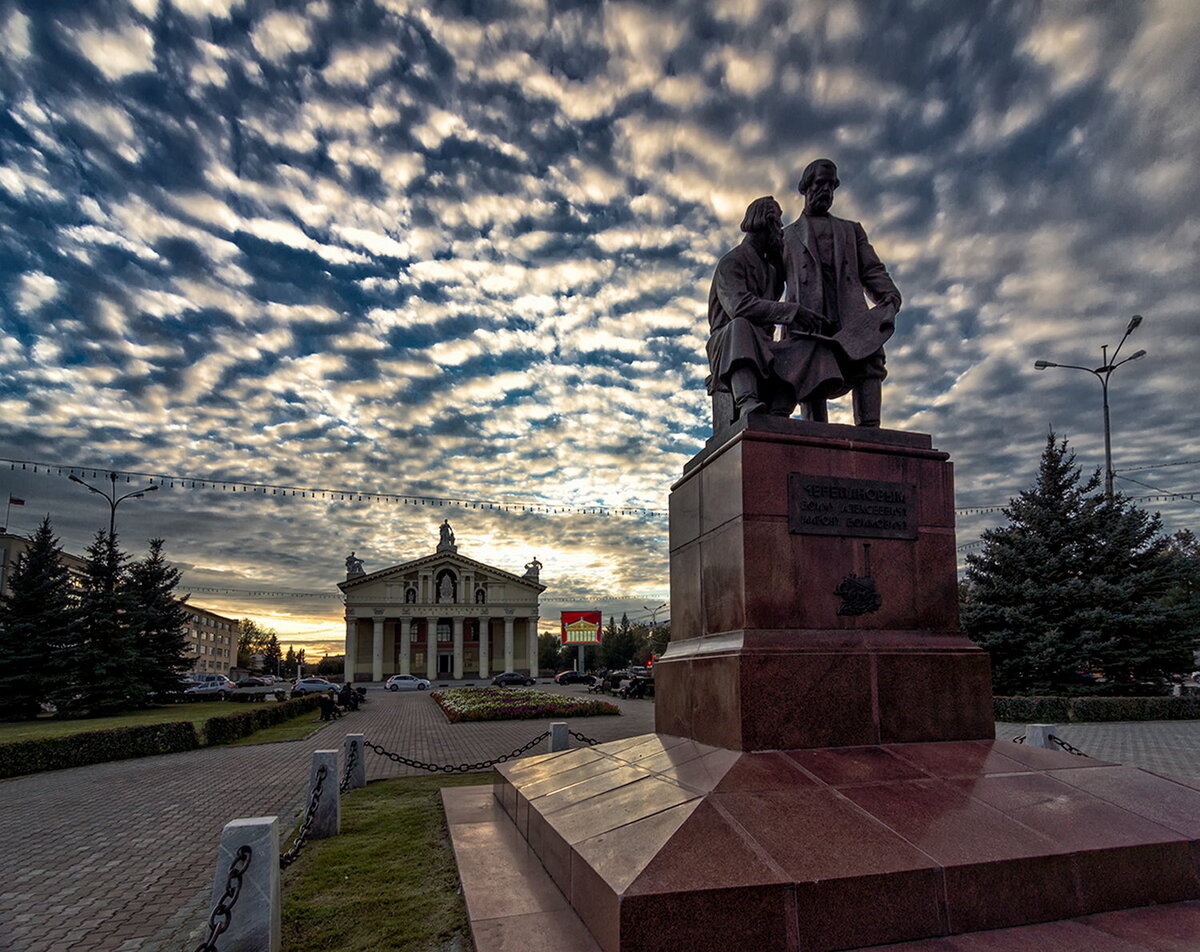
[{"x": 808, "y": 321}]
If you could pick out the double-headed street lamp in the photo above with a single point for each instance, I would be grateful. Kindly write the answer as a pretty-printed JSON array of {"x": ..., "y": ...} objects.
[
  {"x": 113, "y": 499},
  {"x": 1102, "y": 373}
]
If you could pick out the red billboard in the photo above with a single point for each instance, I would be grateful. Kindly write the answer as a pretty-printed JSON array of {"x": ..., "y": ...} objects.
[{"x": 581, "y": 628}]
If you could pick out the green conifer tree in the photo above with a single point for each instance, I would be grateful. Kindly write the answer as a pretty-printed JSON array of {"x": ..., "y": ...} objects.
[
  {"x": 158, "y": 622},
  {"x": 1072, "y": 586},
  {"x": 35, "y": 622},
  {"x": 103, "y": 674}
]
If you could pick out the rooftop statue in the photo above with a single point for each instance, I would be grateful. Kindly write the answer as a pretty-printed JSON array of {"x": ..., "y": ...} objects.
[{"x": 354, "y": 566}]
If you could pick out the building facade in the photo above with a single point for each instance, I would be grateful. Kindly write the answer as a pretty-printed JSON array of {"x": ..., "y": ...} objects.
[
  {"x": 12, "y": 547},
  {"x": 212, "y": 640},
  {"x": 440, "y": 616}
]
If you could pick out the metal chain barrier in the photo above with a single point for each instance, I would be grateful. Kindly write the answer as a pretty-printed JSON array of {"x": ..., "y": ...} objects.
[
  {"x": 350, "y": 761},
  {"x": 590, "y": 741},
  {"x": 456, "y": 768},
  {"x": 1067, "y": 747},
  {"x": 222, "y": 914},
  {"x": 286, "y": 859}
]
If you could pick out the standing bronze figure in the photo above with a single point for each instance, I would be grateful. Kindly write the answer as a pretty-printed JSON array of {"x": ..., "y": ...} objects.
[{"x": 831, "y": 268}]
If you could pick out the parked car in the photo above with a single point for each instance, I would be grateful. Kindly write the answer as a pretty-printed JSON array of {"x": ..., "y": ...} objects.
[
  {"x": 406, "y": 682},
  {"x": 510, "y": 678},
  {"x": 313, "y": 686},
  {"x": 253, "y": 682},
  {"x": 222, "y": 688},
  {"x": 573, "y": 677}
]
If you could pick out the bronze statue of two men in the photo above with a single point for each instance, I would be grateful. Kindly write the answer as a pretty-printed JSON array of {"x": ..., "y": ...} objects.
[{"x": 788, "y": 316}]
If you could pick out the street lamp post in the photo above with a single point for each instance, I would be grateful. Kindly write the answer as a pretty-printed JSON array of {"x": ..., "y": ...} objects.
[
  {"x": 1102, "y": 373},
  {"x": 654, "y": 613},
  {"x": 113, "y": 500}
]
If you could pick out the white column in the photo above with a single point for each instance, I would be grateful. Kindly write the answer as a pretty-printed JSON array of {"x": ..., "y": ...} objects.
[
  {"x": 508, "y": 642},
  {"x": 484, "y": 647},
  {"x": 404, "y": 639},
  {"x": 430, "y": 648},
  {"x": 533, "y": 646},
  {"x": 458, "y": 647},
  {"x": 351, "y": 648},
  {"x": 377, "y": 651}
]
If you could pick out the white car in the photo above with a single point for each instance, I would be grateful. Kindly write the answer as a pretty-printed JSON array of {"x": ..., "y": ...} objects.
[
  {"x": 223, "y": 688},
  {"x": 406, "y": 682}
]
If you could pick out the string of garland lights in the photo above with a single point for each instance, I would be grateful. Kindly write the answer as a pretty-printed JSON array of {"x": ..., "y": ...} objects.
[
  {"x": 170, "y": 481},
  {"x": 263, "y": 593}
]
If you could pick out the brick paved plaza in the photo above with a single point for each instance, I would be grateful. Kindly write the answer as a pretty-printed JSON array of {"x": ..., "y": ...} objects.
[{"x": 120, "y": 856}]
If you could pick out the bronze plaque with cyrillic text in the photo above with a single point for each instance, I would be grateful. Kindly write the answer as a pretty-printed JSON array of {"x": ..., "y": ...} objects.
[{"x": 867, "y": 508}]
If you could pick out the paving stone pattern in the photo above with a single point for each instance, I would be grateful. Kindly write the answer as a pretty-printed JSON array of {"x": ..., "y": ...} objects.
[{"x": 119, "y": 856}]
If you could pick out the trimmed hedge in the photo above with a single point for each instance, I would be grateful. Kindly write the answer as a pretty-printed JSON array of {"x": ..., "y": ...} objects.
[
  {"x": 1062, "y": 710},
  {"x": 231, "y": 727},
  {"x": 121, "y": 743},
  {"x": 1033, "y": 710},
  {"x": 1135, "y": 709},
  {"x": 94, "y": 747}
]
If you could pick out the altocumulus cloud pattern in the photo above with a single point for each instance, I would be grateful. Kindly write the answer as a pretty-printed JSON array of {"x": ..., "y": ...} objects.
[{"x": 462, "y": 250}]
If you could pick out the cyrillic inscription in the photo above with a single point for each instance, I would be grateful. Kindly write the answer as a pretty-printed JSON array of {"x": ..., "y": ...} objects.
[{"x": 832, "y": 505}]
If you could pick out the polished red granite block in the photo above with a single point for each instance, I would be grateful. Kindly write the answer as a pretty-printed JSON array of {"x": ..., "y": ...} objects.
[
  {"x": 772, "y": 699},
  {"x": 760, "y": 658},
  {"x": 687, "y": 847},
  {"x": 945, "y": 695}
]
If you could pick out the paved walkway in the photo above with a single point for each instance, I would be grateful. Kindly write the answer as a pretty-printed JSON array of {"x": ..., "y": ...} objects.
[{"x": 120, "y": 856}]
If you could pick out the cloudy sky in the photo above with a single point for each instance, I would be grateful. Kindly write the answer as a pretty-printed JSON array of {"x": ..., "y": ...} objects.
[{"x": 462, "y": 250}]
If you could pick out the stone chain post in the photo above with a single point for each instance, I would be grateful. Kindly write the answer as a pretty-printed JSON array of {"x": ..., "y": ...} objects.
[{"x": 254, "y": 924}]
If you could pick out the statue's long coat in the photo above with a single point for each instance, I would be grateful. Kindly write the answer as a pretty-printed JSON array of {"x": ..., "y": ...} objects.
[
  {"x": 857, "y": 268},
  {"x": 743, "y": 309}
]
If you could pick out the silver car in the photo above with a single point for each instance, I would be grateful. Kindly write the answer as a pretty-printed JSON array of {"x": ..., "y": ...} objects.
[{"x": 406, "y": 682}]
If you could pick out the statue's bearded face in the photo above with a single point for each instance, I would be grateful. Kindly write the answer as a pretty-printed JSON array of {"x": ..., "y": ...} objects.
[
  {"x": 774, "y": 227},
  {"x": 819, "y": 194}
]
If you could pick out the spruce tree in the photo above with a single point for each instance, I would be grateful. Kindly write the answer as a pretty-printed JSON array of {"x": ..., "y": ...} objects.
[
  {"x": 103, "y": 670},
  {"x": 35, "y": 623},
  {"x": 158, "y": 623},
  {"x": 1074, "y": 585}
]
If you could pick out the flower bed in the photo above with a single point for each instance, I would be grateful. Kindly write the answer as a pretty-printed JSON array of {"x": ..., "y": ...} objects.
[{"x": 507, "y": 704}]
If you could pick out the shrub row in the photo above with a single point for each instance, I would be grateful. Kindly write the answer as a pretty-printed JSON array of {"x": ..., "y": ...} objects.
[
  {"x": 230, "y": 727},
  {"x": 94, "y": 747},
  {"x": 121, "y": 743},
  {"x": 1061, "y": 710}
]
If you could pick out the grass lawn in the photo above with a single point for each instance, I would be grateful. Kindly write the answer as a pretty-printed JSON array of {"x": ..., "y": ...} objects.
[
  {"x": 47, "y": 726},
  {"x": 388, "y": 881},
  {"x": 44, "y": 727}
]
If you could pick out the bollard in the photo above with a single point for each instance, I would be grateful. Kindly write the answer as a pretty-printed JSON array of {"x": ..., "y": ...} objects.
[
  {"x": 254, "y": 915},
  {"x": 559, "y": 738},
  {"x": 1038, "y": 735},
  {"x": 354, "y": 752},
  {"x": 328, "y": 819}
]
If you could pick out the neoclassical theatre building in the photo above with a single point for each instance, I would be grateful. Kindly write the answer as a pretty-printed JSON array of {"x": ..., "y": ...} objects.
[{"x": 440, "y": 616}]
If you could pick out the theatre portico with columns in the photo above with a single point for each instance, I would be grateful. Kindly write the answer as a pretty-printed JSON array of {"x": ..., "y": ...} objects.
[{"x": 440, "y": 616}]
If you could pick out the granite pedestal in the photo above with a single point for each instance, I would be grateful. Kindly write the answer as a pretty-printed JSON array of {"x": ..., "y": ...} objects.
[
  {"x": 823, "y": 773},
  {"x": 765, "y": 529}
]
